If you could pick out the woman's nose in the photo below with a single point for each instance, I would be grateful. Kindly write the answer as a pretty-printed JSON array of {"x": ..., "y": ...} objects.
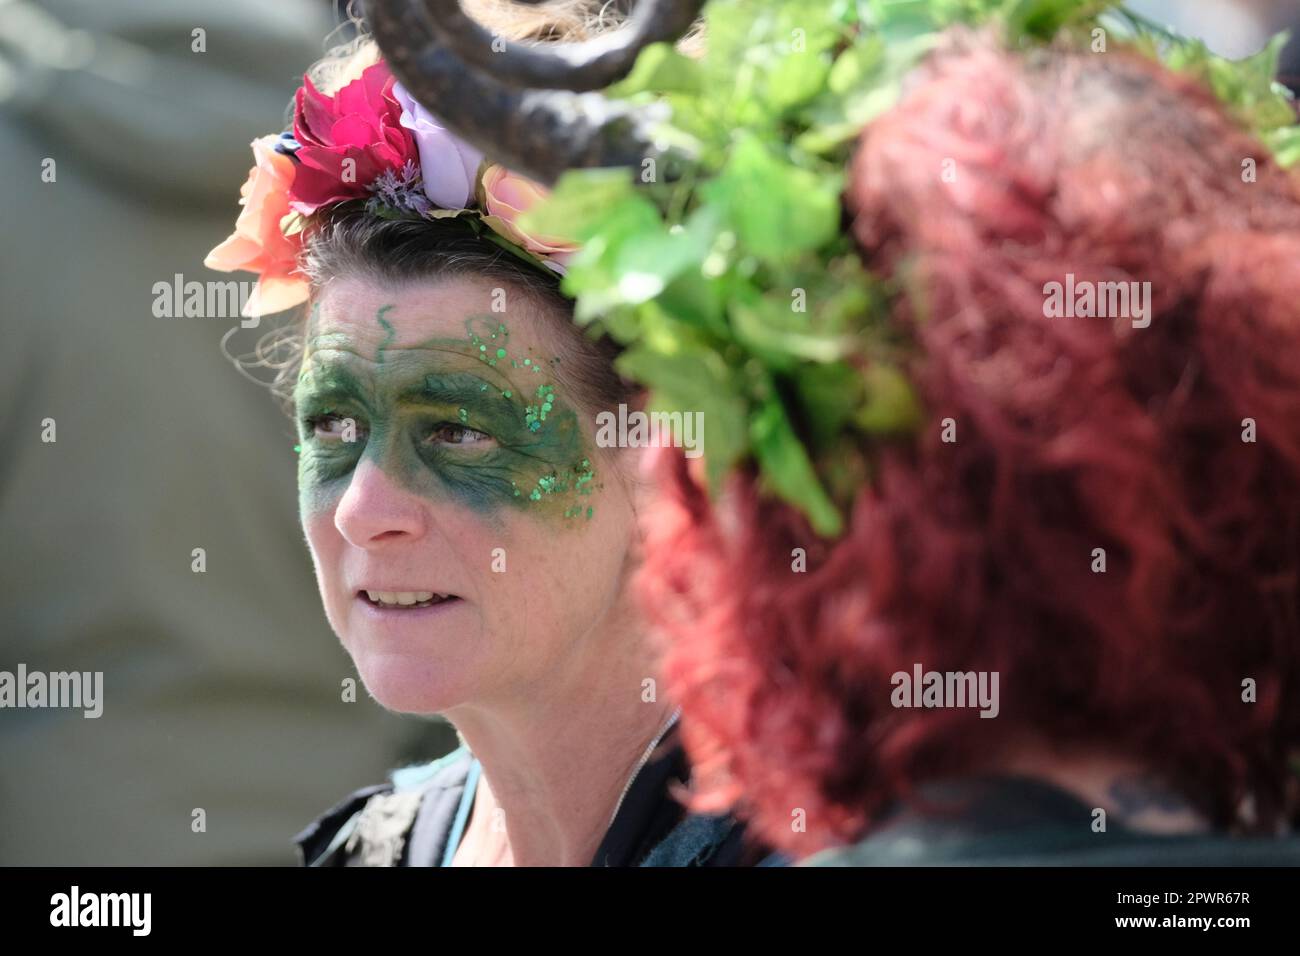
[{"x": 376, "y": 510}]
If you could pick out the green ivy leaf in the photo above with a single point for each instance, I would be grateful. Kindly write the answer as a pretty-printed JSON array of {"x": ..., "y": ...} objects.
[
  {"x": 1041, "y": 20},
  {"x": 778, "y": 210},
  {"x": 596, "y": 273},
  {"x": 788, "y": 470},
  {"x": 864, "y": 83},
  {"x": 695, "y": 379},
  {"x": 659, "y": 68},
  {"x": 648, "y": 263},
  {"x": 1285, "y": 144},
  {"x": 584, "y": 203},
  {"x": 891, "y": 405},
  {"x": 634, "y": 257},
  {"x": 830, "y": 395},
  {"x": 797, "y": 78},
  {"x": 769, "y": 328},
  {"x": 699, "y": 302},
  {"x": 899, "y": 20}
]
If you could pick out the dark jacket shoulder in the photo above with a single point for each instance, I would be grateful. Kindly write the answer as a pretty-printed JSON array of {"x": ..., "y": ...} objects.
[
  {"x": 408, "y": 821},
  {"x": 404, "y": 822},
  {"x": 1014, "y": 821}
]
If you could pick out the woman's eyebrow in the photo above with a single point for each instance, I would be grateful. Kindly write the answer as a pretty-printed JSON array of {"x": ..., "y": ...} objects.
[
  {"x": 329, "y": 381},
  {"x": 456, "y": 389}
]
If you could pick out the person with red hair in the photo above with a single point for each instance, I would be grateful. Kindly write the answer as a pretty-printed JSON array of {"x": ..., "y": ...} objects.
[{"x": 1063, "y": 621}]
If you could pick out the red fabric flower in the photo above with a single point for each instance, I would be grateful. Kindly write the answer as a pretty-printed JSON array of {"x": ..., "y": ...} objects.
[{"x": 347, "y": 140}]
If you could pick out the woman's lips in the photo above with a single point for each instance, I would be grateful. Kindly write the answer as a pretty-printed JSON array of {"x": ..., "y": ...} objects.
[
  {"x": 403, "y": 600},
  {"x": 393, "y": 614}
]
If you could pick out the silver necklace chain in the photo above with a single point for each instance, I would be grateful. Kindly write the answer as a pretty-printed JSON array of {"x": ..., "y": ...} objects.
[{"x": 645, "y": 757}]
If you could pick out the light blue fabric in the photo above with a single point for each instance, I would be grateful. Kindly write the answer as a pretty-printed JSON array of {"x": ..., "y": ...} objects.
[
  {"x": 462, "y": 813},
  {"x": 410, "y": 777}
]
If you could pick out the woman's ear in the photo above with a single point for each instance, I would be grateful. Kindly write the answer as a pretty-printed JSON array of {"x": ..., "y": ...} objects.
[
  {"x": 641, "y": 467},
  {"x": 647, "y": 465},
  {"x": 653, "y": 465}
]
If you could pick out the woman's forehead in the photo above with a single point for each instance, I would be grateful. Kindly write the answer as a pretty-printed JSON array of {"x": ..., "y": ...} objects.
[
  {"x": 370, "y": 315},
  {"x": 363, "y": 337}
]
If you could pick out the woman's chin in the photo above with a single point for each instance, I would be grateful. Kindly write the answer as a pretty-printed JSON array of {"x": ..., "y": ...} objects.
[{"x": 408, "y": 687}]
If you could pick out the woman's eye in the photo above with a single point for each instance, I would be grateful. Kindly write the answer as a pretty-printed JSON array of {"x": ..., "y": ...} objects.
[
  {"x": 451, "y": 434},
  {"x": 333, "y": 427}
]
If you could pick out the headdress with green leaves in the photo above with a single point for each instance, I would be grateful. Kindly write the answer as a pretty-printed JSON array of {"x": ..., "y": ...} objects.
[{"x": 720, "y": 262}]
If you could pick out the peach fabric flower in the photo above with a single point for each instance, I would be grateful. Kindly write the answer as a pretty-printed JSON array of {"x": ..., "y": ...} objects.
[
  {"x": 505, "y": 197},
  {"x": 258, "y": 244}
]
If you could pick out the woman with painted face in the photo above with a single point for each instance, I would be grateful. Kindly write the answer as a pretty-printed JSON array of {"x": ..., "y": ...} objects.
[{"x": 472, "y": 542}]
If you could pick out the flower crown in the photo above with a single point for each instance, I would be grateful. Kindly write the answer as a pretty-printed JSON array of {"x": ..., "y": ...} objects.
[{"x": 370, "y": 143}]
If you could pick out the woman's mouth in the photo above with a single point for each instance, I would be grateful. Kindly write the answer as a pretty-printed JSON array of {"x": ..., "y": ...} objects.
[{"x": 404, "y": 600}]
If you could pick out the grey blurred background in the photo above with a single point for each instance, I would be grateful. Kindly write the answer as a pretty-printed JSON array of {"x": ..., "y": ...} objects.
[
  {"x": 1233, "y": 28},
  {"x": 222, "y": 689}
]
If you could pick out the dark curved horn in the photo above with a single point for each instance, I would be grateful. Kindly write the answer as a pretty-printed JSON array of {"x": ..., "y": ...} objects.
[
  {"x": 539, "y": 133},
  {"x": 590, "y": 65}
]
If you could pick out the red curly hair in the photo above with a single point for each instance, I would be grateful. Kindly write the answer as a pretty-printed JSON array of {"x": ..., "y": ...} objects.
[{"x": 1071, "y": 434}]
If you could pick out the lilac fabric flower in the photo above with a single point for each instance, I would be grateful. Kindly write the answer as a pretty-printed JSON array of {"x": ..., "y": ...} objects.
[{"x": 448, "y": 164}]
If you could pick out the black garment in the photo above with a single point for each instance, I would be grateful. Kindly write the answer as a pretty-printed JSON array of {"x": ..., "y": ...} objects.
[
  {"x": 1016, "y": 821},
  {"x": 407, "y": 822}
]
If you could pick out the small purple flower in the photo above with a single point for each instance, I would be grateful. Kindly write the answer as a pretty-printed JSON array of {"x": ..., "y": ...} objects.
[
  {"x": 448, "y": 165},
  {"x": 399, "y": 191}
]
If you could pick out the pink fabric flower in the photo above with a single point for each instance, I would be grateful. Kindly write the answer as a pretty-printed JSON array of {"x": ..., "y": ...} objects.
[
  {"x": 347, "y": 140},
  {"x": 257, "y": 244},
  {"x": 448, "y": 164},
  {"x": 506, "y": 197}
]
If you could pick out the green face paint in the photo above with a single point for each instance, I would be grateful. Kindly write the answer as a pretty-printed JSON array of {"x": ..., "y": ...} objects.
[
  {"x": 443, "y": 421},
  {"x": 390, "y": 332}
]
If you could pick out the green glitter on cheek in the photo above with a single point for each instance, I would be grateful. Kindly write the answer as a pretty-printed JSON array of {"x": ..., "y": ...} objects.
[
  {"x": 576, "y": 480},
  {"x": 535, "y": 415}
]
